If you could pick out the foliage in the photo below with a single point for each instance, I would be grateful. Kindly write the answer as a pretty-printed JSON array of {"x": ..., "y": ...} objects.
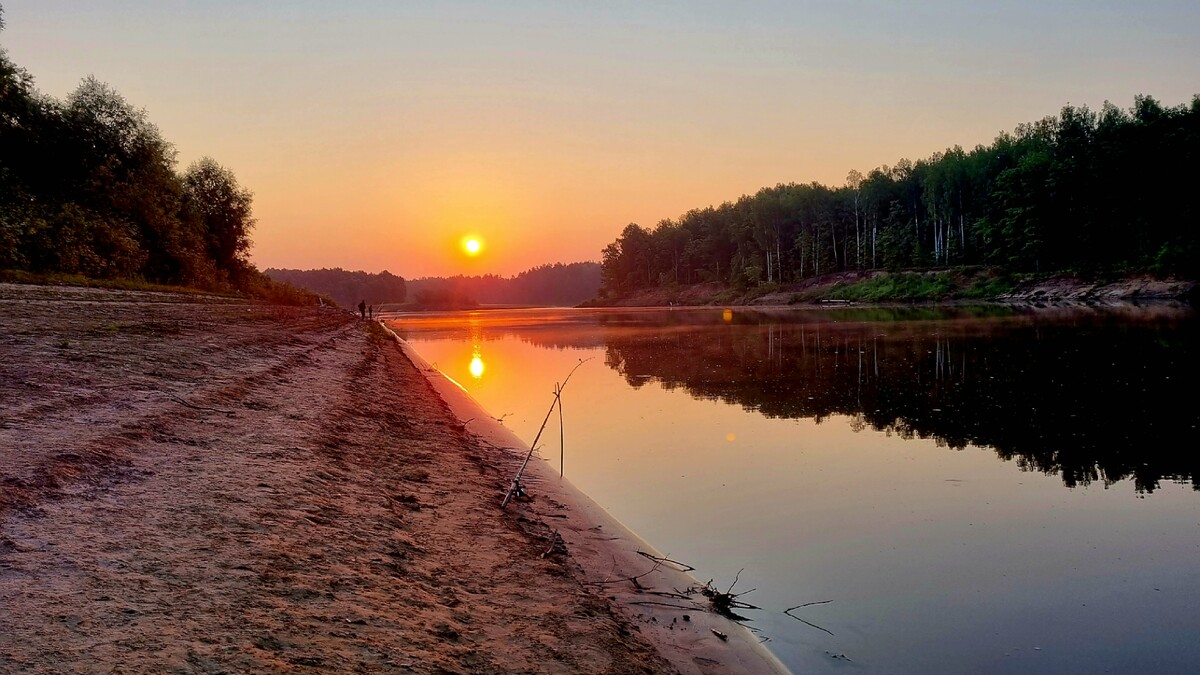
[
  {"x": 88, "y": 187},
  {"x": 911, "y": 286},
  {"x": 346, "y": 288},
  {"x": 557, "y": 285},
  {"x": 1086, "y": 191}
]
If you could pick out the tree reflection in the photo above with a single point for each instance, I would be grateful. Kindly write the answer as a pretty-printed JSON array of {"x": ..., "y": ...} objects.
[{"x": 1091, "y": 396}]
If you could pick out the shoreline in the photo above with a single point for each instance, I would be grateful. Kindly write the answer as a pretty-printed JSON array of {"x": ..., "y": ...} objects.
[
  {"x": 815, "y": 292},
  {"x": 202, "y": 485},
  {"x": 609, "y": 554}
]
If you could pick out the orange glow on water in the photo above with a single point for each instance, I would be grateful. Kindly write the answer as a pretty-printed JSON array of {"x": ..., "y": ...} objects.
[{"x": 476, "y": 368}]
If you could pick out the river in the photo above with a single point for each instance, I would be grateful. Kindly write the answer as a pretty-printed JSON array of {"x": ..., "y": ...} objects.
[{"x": 970, "y": 489}]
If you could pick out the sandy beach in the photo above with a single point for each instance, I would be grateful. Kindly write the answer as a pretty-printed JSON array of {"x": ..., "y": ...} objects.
[{"x": 194, "y": 484}]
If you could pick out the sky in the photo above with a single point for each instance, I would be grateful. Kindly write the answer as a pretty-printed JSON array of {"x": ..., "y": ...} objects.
[{"x": 377, "y": 135}]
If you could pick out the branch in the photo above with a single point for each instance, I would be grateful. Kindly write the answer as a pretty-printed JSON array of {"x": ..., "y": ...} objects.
[
  {"x": 808, "y": 623},
  {"x": 684, "y": 566}
]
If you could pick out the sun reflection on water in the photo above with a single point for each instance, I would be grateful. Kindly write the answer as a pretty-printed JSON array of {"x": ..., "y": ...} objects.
[{"x": 476, "y": 366}]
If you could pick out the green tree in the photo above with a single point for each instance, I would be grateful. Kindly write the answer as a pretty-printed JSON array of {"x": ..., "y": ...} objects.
[{"x": 221, "y": 207}]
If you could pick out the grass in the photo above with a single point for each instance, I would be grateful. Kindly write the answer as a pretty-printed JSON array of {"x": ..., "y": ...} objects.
[
  {"x": 985, "y": 288},
  {"x": 56, "y": 279},
  {"x": 957, "y": 284},
  {"x": 904, "y": 286},
  {"x": 263, "y": 289},
  {"x": 377, "y": 333}
]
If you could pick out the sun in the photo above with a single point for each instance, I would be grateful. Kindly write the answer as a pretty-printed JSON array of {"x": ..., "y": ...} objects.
[{"x": 472, "y": 246}]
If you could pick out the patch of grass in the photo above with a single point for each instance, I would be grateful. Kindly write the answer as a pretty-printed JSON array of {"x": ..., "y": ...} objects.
[
  {"x": 56, "y": 279},
  {"x": 984, "y": 287},
  {"x": 727, "y": 296},
  {"x": 904, "y": 286},
  {"x": 377, "y": 333}
]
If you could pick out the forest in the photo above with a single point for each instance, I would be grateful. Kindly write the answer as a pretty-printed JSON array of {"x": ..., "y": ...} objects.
[
  {"x": 89, "y": 187},
  {"x": 547, "y": 285},
  {"x": 558, "y": 285},
  {"x": 1086, "y": 192},
  {"x": 345, "y": 287}
]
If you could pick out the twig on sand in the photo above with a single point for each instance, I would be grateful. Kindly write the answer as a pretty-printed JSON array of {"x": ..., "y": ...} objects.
[
  {"x": 515, "y": 489},
  {"x": 200, "y": 407},
  {"x": 684, "y": 567},
  {"x": 633, "y": 580},
  {"x": 655, "y": 603},
  {"x": 725, "y": 603},
  {"x": 554, "y": 542},
  {"x": 562, "y": 451}
]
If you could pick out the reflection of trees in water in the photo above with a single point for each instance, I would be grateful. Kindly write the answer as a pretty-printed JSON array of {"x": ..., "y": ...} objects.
[
  {"x": 1089, "y": 395},
  {"x": 1090, "y": 399}
]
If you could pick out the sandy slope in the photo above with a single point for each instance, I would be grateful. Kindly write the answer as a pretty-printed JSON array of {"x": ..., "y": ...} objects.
[
  {"x": 608, "y": 558},
  {"x": 191, "y": 484}
]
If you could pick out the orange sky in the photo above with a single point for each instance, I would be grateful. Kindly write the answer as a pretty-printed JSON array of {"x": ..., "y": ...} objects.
[{"x": 375, "y": 136}]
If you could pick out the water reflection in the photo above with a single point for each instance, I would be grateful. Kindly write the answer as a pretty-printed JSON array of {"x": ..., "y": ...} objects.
[
  {"x": 802, "y": 448},
  {"x": 1082, "y": 398},
  {"x": 1090, "y": 395}
]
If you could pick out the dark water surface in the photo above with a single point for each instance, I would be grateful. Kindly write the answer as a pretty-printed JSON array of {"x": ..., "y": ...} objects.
[{"x": 985, "y": 490}]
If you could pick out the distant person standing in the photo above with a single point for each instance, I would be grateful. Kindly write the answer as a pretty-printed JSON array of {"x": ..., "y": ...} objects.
[
  {"x": 362, "y": 309},
  {"x": 371, "y": 312}
]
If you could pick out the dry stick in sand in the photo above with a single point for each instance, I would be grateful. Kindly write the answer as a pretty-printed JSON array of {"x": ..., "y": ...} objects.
[
  {"x": 686, "y": 567},
  {"x": 561, "y": 449},
  {"x": 516, "y": 483}
]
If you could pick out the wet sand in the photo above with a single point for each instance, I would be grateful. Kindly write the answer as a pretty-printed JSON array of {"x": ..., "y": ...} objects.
[{"x": 198, "y": 485}]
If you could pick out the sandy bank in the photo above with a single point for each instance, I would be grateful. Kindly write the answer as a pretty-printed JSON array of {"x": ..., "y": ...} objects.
[
  {"x": 200, "y": 485},
  {"x": 612, "y": 560},
  {"x": 190, "y": 485}
]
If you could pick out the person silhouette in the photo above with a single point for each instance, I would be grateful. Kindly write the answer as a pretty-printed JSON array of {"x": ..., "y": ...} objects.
[{"x": 362, "y": 309}]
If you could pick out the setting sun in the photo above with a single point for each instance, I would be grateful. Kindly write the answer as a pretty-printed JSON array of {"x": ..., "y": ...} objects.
[{"x": 472, "y": 246}]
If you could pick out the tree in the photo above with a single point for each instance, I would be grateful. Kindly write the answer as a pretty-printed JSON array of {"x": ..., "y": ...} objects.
[{"x": 213, "y": 198}]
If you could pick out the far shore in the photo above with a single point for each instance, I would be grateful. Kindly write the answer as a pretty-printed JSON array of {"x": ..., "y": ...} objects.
[
  {"x": 201, "y": 484},
  {"x": 950, "y": 286}
]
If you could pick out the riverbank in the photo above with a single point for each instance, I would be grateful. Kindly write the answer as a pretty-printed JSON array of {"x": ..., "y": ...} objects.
[
  {"x": 951, "y": 285},
  {"x": 200, "y": 484}
]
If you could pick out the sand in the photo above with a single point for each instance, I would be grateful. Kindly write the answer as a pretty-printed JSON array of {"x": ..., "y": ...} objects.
[{"x": 198, "y": 485}]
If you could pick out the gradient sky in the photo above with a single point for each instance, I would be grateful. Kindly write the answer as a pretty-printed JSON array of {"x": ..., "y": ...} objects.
[{"x": 375, "y": 134}]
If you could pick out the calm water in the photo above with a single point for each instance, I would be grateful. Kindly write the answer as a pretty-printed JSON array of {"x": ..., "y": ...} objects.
[{"x": 984, "y": 491}]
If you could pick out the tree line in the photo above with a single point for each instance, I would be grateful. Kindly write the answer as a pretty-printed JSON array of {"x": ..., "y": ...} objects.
[
  {"x": 1085, "y": 191},
  {"x": 556, "y": 285},
  {"x": 88, "y": 186},
  {"x": 345, "y": 287}
]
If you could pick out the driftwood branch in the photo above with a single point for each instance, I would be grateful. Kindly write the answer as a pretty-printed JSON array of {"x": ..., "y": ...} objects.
[
  {"x": 725, "y": 603},
  {"x": 735, "y": 580},
  {"x": 789, "y": 610},
  {"x": 684, "y": 567},
  {"x": 554, "y": 540},
  {"x": 655, "y": 603},
  {"x": 808, "y": 604},
  {"x": 515, "y": 487},
  {"x": 633, "y": 580}
]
